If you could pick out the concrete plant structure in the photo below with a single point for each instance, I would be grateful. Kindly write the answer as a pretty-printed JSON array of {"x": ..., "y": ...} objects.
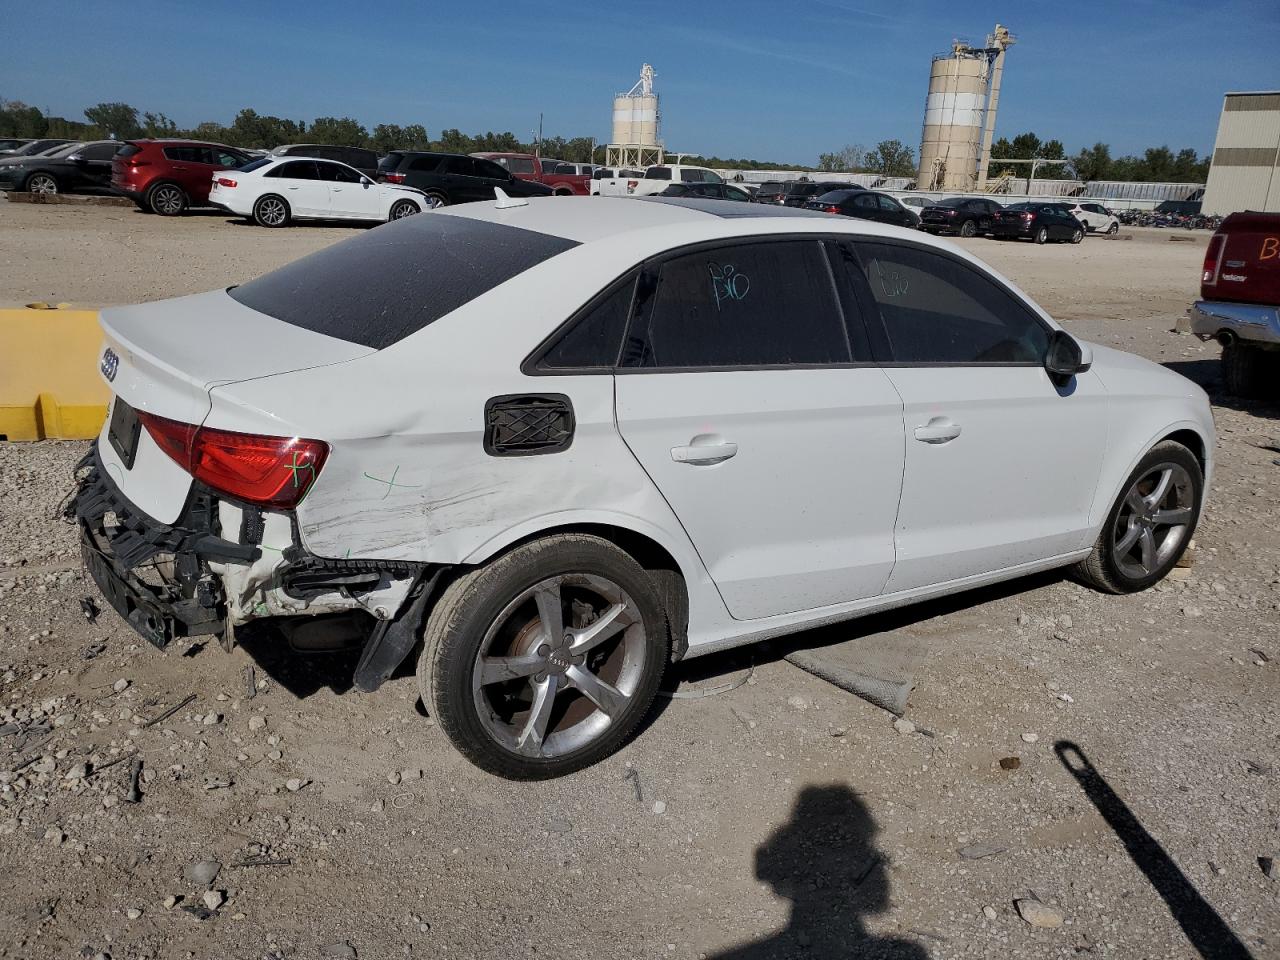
[
  {"x": 1245, "y": 172},
  {"x": 960, "y": 114}
]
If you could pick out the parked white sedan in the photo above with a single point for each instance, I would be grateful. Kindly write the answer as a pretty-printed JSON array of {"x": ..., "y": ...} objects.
[
  {"x": 274, "y": 191},
  {"x": 567, "y": 441}
]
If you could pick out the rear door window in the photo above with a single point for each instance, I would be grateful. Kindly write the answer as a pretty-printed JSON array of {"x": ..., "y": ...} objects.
[
  {"x": 295, "y": 170},
  {"x": 938, "y": 310},
  {"x": 741, "y": 305},
  {"x": 425, "y": 164},
  {"x": 384, "y": 285},
  {"x": 338, "y": 173}
]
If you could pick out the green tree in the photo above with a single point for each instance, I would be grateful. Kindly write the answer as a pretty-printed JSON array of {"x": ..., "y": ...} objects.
[
  {"x": 339, "y": 131},
  {"x": 19, "y": 120},
  {"x": 251, "y": 130},
  {"x": 891, "y": 158},
  {"x": 116, "y": 120},
  {"x": 1092, "y": 163},
  {"x": 849, "y": 158},
  {"x": 158, "y": 125},
  {"x": 453, "y": 141}
]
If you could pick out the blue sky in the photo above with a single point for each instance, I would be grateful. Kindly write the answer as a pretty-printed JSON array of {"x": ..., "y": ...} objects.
[{"x": 778, "y": 81}]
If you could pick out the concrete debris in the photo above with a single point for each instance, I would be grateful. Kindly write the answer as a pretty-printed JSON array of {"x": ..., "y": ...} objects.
[
  {"x": 341, "y": 949},
  {"x": 201, "y": 873},
  {"x": 904, "y": 726},
  {"x": 989, "y": 912},
  {"x": 213, "y": 899},
  {"x": 1038, "y": 914},
  {"x": 120, "y": 686}
]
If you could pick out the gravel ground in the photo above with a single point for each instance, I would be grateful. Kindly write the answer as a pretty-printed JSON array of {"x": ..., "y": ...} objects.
[{"x": 781, "y": 818}]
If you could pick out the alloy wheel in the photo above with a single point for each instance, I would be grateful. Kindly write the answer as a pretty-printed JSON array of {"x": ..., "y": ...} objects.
[
  {"x": 167, "y": 200},
  {"x": 405, "y": 208},
  {"x": 1153, "y": 520},
  {"x": 42, "y": 183},
  {"x": 271, "y": 211},
  {"x": 558, "y": 665}
]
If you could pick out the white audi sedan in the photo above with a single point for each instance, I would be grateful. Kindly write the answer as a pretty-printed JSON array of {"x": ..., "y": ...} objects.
[
  {"x": 275, "y": 191},
  {"x": 559, "y": 444}
]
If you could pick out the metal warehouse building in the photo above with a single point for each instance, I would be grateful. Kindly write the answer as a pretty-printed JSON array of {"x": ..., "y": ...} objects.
[{"x": 1245, "y": 173}]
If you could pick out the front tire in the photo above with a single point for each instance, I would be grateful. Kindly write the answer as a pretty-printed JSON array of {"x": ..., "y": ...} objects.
[
  {"x": 271, "y": 211},
  {"x": 1150, "y": 524},
  {"x": 544, "y": 661},
  {"x": 1113, "y": 229},
  {"x": 167, "y": 199},
  {"x": 401, "y": 209},
  {"x": 42, "y": 183}
]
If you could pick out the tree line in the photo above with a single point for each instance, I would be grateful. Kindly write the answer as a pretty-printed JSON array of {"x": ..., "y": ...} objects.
[
  {"x": 261, "y": 131},
  {"x": 1155, "y": 165}
]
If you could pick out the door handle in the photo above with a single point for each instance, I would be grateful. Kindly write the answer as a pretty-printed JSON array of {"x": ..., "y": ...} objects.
[
  {"x": 938, "y": 430},
  {"x": 704, "y": 450}
]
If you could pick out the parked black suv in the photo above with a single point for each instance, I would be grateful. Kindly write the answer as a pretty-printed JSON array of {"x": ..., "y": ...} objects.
[
  {"x": 366, "y": 161},
  {"x": 454, "y": 178}
]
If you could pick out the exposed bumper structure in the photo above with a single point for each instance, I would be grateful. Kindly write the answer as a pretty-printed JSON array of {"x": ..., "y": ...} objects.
[
  {"x": 186, "y": 579},
  {"x": 1246, "y": 321}
]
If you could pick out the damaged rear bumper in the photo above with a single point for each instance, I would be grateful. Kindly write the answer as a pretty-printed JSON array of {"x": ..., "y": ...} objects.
[{"x": 187, "y": 579}]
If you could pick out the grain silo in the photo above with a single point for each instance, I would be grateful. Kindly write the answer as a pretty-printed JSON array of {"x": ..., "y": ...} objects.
[
  {"x": 960, "y": 114},
  {"x": 635, "y": 113}
]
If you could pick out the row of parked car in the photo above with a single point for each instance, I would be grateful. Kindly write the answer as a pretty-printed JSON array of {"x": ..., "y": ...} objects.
[{"x": 321, "y": 181}]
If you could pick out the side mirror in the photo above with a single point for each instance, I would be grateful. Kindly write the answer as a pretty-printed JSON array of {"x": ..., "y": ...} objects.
[
  {"x": 1065, "y": 356},
  {"x": 366, "y": 182},
  {"x": 76, "y": 158}
]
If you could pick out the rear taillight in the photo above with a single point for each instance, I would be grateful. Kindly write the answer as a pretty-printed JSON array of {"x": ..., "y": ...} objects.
[
  {"x": 1028, "y": 216},
  {"x": 139, "y": 163},
  {"x": 951, "y": 213},
  {"x": 631, "y": 185},
  {"x": 265, "y": 471},
  {"x": 225, "y": 182},
  {"x": 1213, "y": 258},
  {"x": 394, "y": 177},
  {"x": 831, "y": 209}
]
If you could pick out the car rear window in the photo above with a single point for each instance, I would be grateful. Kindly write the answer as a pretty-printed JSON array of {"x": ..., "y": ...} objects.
[
  {"x": 255, "y": 164},
  {"x": 129, "y": 150},
  {"x": 658, "y": 173},
  {"x": 391, "y": 161},
  {"x": 378, "y": 288}
]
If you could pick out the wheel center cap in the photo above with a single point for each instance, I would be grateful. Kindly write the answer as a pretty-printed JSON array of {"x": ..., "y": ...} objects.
[{"x": 559, "y": 659}]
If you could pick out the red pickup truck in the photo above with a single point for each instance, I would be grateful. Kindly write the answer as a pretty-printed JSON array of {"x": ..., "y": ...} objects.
[
  {"x": 526, "y": 166},
  {"x": 1239, "y": 303}
]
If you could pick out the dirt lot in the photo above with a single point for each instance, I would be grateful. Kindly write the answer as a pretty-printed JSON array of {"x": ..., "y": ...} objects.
[{"x": 781, "y": 818}]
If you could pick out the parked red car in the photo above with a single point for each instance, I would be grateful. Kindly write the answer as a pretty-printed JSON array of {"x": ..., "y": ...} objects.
[
  {"x": 525, "y": 166},
  {"x": 168, "y": 176}
]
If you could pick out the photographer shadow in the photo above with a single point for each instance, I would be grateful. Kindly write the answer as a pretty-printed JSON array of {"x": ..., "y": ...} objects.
[{"x": 824, "y": 860}]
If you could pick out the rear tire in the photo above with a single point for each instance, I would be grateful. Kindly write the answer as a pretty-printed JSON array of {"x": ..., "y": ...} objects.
[
  {"x": 271, "y": 211},
  {"x": 495, "y": 618},
  {"x": 1042, "y": 235},
  {"x": 1144, "y": 514},
  {"x": 968, "y": 229},
  {"x": 436, "y": 199},
  {"x": 167, "y": 199},
  {"x": 1078, "y": 235},
  {"x": 1249, "y": 372}
]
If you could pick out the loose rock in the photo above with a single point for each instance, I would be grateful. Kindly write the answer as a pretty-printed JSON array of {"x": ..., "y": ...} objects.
[
  {"x": 202, "y": 872},
  {"x": 1038, "y": 914},
  {"x": 904, "y": 726}
]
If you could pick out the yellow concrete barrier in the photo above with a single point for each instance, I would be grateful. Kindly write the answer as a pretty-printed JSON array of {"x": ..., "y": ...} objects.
[{"x": 49, "y": 382}]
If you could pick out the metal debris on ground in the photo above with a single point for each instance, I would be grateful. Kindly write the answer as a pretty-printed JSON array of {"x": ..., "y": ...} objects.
[
  {"x": 171, "y": 711},
  {"x": 698, "y": 693},
  {"x": 976, "y": 851},
  {"x": 250, "y": 682},
  {"x": 109, "y": 764},
  {"x": 634, "y": 776},
  {"x": 93, "y": 649},
  {"x": 134, "y": 794},
  {"x": 89, "y": 609},
  {"x": 263, "y": 862}
]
